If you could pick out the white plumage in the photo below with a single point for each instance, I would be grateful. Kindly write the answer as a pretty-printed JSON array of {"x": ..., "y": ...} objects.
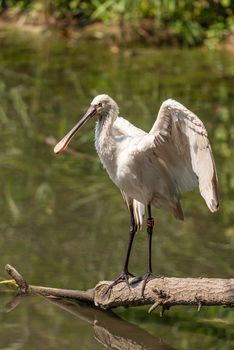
[{"x": 151, "y": 168}]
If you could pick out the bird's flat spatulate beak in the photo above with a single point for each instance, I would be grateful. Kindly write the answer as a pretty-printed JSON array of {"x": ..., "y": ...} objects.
[{"x": 61, "y": 146}]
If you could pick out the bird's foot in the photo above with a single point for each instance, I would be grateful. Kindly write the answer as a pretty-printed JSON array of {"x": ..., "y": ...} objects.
[
  {"x": 123, "y": 277},
  {"x": 146, "y": 278}
]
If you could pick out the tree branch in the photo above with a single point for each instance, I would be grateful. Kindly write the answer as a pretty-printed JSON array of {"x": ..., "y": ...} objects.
[
  {"x": 86, "y": 296},
  {"x": 163, "y": 291},
  {"x": 167, "y": 292}
]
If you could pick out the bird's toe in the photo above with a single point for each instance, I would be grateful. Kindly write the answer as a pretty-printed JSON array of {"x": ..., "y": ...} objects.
[
  {"x": 146, "y": 278},
  {"x": 123, "y": 277}
]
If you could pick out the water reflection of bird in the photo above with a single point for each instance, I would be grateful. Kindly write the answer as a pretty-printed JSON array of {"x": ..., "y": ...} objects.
[{"x": 150, "y": 168}]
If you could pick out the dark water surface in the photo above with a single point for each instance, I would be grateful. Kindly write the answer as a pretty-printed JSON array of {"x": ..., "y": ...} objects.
[{"x": 63, "y": 222}]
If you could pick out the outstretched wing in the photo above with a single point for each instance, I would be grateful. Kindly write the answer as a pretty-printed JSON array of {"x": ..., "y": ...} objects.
[{"x": 181, "y": 141}]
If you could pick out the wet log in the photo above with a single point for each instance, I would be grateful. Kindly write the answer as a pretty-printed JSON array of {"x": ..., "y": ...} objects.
[{"x": 161, "y": 291}]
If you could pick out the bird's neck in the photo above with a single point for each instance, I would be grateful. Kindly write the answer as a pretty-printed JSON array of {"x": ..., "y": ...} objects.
[{"x": 104, "y": 140}]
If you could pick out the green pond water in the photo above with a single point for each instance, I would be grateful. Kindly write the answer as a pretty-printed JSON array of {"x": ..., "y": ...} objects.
[{"x": 63, "y": 223}]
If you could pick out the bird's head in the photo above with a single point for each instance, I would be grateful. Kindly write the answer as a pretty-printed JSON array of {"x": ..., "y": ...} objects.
[
  {"x": 103, "y": 104},
  {"x": 101, "y": 107}
]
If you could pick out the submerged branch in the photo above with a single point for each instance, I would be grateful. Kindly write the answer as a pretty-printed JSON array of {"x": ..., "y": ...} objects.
[{"x": 163, "y": 291}]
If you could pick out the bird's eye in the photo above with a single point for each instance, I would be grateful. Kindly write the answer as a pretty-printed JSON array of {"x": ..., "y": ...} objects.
[{"x": 99, "y": 104}]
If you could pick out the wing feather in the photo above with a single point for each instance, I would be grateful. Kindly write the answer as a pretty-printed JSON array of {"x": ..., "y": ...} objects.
[{"x": 181, "y": 140}]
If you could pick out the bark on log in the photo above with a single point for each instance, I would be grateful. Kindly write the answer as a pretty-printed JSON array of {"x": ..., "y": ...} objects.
[
  {"x": 163, "y": 291},
  {"x": 169, "y": 291}
]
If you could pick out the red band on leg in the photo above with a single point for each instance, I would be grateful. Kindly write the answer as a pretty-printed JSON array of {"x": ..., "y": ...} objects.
[{"x": 150, "y": 222}]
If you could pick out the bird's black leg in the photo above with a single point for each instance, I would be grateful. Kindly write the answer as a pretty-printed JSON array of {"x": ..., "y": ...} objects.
[
  {"x": 150, "y": 226},
  {"x": 132, "y": 231},
  {"x": 149, "y": 275},
  {"x": 123, "y": 277}
]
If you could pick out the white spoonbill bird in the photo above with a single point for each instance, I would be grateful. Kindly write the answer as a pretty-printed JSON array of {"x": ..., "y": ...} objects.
[{"x": 151, "y": 168}]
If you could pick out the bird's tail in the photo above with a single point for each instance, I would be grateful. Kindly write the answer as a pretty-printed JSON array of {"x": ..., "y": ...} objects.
[
  {"x": 138, "y": 209},
  {"x": 178, "y": 211},
  {"x": 138, "y": 212}
]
